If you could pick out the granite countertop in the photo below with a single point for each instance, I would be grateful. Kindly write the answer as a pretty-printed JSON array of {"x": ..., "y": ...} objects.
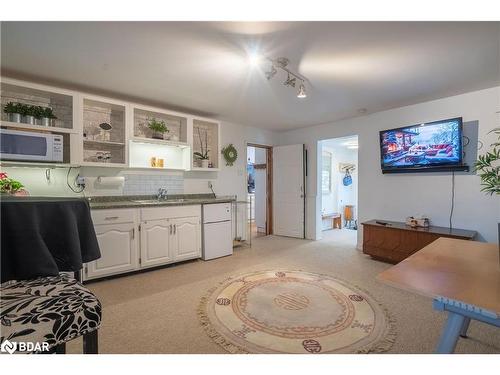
[{"x": 135, "y": 201}]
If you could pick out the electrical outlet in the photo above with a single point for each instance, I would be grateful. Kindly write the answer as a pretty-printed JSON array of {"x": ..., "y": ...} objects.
[{"x": 80, "y": 181}]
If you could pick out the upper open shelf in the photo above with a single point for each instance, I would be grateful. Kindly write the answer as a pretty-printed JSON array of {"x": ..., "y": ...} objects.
[
  {"x": 206, "y": 142},
  {"x": 60, "y": 103},
  {"x": 104, "y": 132},
  {"x": 176, "y": 125}
]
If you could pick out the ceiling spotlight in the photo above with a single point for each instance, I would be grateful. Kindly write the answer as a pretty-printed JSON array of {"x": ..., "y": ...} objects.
[
  {"x": 254, "y": 59},
  {"x": 302, "y": 92},
  {"x": 271, "y": 73},
  {"x": 290, "y": 81}
]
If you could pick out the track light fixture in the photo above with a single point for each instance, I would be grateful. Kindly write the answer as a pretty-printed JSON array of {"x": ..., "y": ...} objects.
[
  {"x": 291, "y": 77},
  {"x": 290, "y": 81},
  {"x": 271, "y": 72},
  {"x": 302, "y": 92}
]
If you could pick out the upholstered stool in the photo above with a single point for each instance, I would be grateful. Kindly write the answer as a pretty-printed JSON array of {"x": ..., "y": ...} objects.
[{"x": 48, "y": 312}]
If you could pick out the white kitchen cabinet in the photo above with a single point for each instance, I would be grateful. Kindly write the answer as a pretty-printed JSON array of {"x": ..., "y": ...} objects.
[
  {"x": 118, "y": 246},
  {"x": 155, "y": 243},
  {"x": 136, "y": 238},
  {"x": 185, "y": 240}
]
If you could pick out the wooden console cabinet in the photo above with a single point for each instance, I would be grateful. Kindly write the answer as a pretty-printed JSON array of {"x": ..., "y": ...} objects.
[{"x": 396, "y": 241}]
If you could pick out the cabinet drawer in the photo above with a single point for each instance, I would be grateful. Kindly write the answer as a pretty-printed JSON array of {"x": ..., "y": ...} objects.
[
  {"x": 157, "y": 213},
  {"x": 113, "y": 216}
]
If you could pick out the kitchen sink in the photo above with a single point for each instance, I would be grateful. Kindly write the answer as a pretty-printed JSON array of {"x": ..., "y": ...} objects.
[
  {"x": 157, "y": 201},
  {"x": 145, "y": 201}
]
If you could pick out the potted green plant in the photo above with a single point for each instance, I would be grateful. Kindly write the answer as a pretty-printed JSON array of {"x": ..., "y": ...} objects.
[
  {"x": 29, "y": 114},
  {"x": 48, "y": 116},
  {"x": 38, "y": 114},
  {"x": 10, "y": 186},
  {"x": 488, "y": 168},
  {"x": 202, "y": 155},
  {"x": 158, "y": 127},
  {"x": 14, "y": 111}
]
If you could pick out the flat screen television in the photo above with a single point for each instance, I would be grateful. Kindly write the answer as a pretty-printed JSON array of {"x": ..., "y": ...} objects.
[{"x": 428, "y": 147}]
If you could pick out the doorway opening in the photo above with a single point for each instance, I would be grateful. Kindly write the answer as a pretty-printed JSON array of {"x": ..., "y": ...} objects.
[
  {"x": 339, "y": 189},
  {"x": 259, "y": 189}
]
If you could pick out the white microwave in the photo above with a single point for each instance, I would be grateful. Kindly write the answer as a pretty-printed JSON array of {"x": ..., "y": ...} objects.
[{"x": 30, "y": 146}]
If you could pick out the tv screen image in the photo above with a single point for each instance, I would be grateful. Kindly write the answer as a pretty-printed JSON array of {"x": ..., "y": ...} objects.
[{"x": 433, "y": 144}]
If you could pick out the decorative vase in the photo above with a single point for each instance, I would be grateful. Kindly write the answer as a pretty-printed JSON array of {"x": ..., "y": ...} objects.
[
  {"x": 204, "y": 163},
  {"x": 30, "y": 120},
  {"x": 15, "y": 117},
  {"x": 157, "y": 135}
]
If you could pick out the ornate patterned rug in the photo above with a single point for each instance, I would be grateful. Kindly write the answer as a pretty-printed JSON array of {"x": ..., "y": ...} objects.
[{"x": 294, "y": 312}]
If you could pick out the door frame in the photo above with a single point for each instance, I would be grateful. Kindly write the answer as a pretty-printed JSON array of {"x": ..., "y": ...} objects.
[{"x": 269, "y": 182}]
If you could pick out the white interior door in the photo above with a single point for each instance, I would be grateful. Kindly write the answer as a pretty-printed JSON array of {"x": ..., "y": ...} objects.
[{"x": 288, "y": 191}]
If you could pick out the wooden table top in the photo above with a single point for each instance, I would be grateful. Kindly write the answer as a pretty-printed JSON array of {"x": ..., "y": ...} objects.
[
  {"x": 462, "y": 270},
  {"x": 469, "y": 234}
]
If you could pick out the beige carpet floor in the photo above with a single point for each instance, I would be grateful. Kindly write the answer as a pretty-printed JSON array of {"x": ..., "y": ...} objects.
[{"x": 155, "y": 312}]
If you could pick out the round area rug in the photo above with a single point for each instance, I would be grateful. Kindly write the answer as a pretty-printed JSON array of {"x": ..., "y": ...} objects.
[{"x": 294, "y": 312}]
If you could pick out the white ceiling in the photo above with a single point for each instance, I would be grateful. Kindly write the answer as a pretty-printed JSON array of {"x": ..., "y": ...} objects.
[
  {"x": 202, "y": 66},
  {"x": 343, "y": 142}
]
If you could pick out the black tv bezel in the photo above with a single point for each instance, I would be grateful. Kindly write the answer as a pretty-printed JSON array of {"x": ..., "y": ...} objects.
[{"x": 438, "y": 167}]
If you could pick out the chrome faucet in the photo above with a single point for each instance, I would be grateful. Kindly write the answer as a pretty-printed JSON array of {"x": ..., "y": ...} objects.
[{"x": 162, "y": 193}]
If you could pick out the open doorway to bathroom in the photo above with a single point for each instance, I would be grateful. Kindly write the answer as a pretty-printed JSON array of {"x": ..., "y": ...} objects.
[
  {"x": 259, "y": 187},
  {"x": 339, "y": 188}
]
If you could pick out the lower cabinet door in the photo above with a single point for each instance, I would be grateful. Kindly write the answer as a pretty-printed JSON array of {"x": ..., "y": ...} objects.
[
  {"x": 186, "y": 238},
  {"x": 118, "y": 247},
  {"x": 155, "y": 244}
]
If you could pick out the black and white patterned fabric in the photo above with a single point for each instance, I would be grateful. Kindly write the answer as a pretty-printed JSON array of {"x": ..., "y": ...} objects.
[{"x": 49, "y": 309}]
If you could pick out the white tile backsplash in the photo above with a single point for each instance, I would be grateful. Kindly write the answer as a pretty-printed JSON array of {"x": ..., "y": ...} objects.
[{"x": 139, "y": 184}]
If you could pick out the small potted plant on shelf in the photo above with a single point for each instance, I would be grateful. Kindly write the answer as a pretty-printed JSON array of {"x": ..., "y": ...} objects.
[
  {"x": 47, "y": 116},
  {"x": 14, "y": 111},
  {"x": 29, "y": 113},
  {"x": 158, "y": 127},
  {"x": 202, "y": 155},
  {"x": 9, "y": 186},
  {"x": 38, "y": 114}
]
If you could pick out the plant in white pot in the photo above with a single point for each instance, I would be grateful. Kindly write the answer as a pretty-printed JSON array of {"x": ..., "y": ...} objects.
[{"x": 202, "y": 155}]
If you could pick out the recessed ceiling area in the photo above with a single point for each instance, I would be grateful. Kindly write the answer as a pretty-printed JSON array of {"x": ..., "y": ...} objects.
[
  {"x": 203, "y": 67},
  {"x": 350, "y": 143}
]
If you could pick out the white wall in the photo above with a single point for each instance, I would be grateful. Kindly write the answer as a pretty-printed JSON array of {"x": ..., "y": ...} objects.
[{"x": 396, "y": 196}]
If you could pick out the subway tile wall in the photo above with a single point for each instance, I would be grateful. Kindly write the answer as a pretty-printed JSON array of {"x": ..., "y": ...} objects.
[{"x": 138, "y": 184}]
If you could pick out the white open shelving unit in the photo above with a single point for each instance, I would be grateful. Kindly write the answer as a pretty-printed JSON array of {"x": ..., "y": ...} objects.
[
  {"x": 101, "y": 147},
  {"x": 206, "y": 131},
  {"x": 128, "y": 144}
]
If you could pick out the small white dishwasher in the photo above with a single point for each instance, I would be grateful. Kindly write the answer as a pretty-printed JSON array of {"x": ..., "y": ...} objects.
[{"x": 217, "y": 231}]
